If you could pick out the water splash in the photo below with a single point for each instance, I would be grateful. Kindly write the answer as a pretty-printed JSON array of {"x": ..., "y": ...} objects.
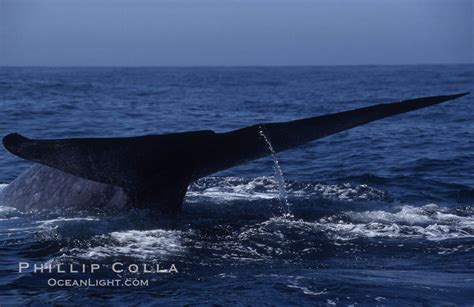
[{"x": 283, "y": 195}]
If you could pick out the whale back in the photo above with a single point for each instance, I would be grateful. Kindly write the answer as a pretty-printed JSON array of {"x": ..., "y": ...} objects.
[{"x": 44, "y": 188}]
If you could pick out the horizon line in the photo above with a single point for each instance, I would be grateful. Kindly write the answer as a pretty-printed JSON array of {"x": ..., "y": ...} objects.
[{"x": 224, "y": 65}]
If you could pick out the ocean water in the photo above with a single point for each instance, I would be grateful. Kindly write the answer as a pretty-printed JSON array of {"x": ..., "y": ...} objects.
[{"x": 380, "y": 214}]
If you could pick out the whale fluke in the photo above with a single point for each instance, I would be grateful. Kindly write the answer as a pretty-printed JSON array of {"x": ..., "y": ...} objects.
[{"x": 155, "y": 170}]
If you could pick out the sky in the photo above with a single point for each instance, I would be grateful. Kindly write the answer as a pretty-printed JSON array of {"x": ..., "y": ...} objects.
[{"x": 235, "y": 32}]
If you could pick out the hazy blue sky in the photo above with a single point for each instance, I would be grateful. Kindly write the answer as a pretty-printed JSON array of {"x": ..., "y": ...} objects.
[{"x": 231, "y": 32}]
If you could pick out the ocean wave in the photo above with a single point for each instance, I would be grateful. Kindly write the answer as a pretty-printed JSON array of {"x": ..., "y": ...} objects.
[{"x": 245, "y": 235}]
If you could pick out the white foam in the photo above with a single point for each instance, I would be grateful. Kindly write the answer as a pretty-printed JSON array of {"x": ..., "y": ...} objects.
[
  {"x": 428, "y": 222},
  {"x": 349, "y": 192},
  {"x": 307, "y": 291},
  {"x": 46, "y": 223},
  {"x": 6, "y": 209},
  {"x": 149, "y": 244},
  {"x": 406, "y": 215},
  {"x": 223, "y": 189}
]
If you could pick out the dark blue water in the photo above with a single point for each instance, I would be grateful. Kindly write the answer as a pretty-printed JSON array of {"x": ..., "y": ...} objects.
[{"x": 382, "y": 213}]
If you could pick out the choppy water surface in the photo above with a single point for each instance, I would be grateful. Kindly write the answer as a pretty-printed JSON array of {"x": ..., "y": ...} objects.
[{"x": 381, "y": 214}]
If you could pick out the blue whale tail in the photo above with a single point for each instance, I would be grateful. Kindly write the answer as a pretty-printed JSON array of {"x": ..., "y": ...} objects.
[{"x": 155, "y": 170}]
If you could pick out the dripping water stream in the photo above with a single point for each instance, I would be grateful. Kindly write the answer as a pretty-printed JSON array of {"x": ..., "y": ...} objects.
[{"x": 285, "y": 205}]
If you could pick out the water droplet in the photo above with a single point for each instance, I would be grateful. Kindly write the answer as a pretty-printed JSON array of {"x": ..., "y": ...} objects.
[{"x": 283, "y": 195}]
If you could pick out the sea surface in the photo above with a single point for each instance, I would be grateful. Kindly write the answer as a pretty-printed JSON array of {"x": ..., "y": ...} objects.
[{"x": 380, "y": 214}]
